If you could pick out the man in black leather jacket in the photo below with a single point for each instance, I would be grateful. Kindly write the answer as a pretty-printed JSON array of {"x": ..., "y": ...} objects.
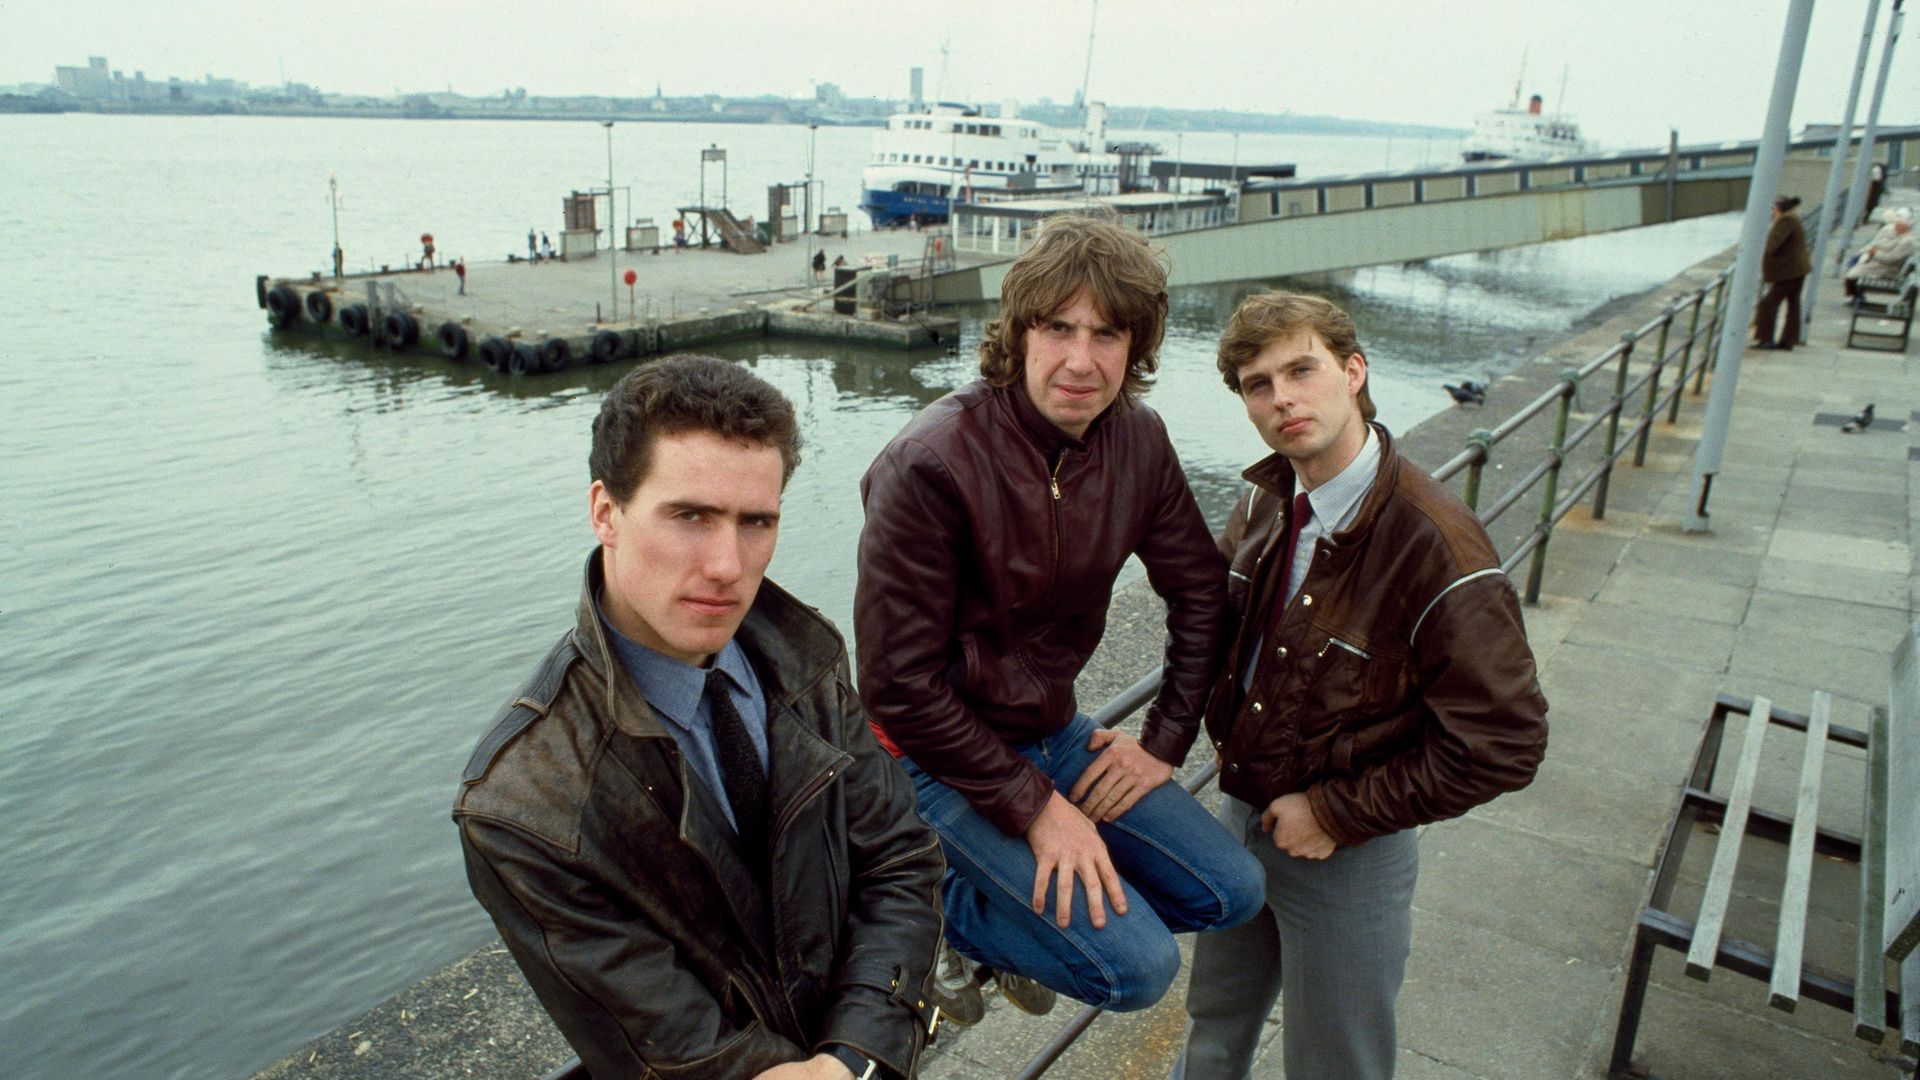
[{"x": 682, "y": 824}]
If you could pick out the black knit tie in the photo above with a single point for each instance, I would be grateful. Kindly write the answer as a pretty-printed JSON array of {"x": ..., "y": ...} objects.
[{"x": 740, "y": 771}]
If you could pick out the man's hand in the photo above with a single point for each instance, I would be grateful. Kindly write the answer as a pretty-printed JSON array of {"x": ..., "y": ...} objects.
[
  {"x": 817, "y": 1067},
  {"x": 1117, "y": 779},
  {"x": 1295, "y": 830},
  {"x": 1067, "y": 846}
]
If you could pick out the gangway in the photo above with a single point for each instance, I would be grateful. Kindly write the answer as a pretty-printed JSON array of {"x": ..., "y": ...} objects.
[{"x": 732, "y": 233}]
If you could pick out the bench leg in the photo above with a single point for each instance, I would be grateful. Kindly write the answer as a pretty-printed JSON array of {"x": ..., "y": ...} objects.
[{"x": 1639, "y": 973}]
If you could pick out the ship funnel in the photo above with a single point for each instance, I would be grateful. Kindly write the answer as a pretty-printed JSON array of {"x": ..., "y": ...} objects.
[
  {"x": 1533, "y": 105},
  {"x": 1096, "y": 129}
]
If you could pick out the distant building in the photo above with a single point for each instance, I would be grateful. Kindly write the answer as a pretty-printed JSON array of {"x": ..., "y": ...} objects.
[{"x": 92, "y": 81}]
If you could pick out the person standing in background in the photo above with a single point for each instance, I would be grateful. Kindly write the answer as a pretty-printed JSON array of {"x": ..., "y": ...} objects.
[{"x": 1784, "y": 264}]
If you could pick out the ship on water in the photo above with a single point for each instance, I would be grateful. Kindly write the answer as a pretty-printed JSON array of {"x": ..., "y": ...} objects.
[
  {"x": 926, "y": 160},
  {"x": 1525, "y": 134}
]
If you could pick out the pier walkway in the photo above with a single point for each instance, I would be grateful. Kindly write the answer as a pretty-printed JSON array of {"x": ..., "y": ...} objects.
[{"x": 1525, "y": 907}]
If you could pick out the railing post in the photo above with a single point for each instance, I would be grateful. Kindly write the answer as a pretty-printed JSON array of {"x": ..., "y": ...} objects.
[
  {"x": 1569, "y": 382},
  {"x": 1711, "y": 358},
  {"x": 1680, "y": 384},
  {"x": 1613, "y": 428},
  {"x": 1482, "y": 440},
  {"x": 1653, "y": 388}
]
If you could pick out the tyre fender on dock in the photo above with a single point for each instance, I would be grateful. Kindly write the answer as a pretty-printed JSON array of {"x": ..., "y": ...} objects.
[
  {"x": 401, "y": 330},
  {"x": 283, "y": 306},
  {"x": 555, "y": 354},
  {"x": 524, "y": 360},
  {"x": 495, "y": 352},
  {"x": 354, "y": 319},
  {"x": 453, "y": 340},
  {"x": 319, "y": 306},
  {"x": 608, "y": 346}
]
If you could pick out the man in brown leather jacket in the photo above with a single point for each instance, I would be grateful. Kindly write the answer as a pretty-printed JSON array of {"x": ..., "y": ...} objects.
[
  {"x": 996, "y": 524},
  {"x": 1379, "y": 678},
  {"x": 682, "y": 825}
]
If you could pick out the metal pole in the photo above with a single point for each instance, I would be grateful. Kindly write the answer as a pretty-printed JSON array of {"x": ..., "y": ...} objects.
[
  {"x": 1673, "y": 165},
  {"x": 1653, "y": 388},
  {"x": 1833, "y": 213},
  {"x": 613, "y": 269},
  {"x": 1613, "y": 428},
  {"x": 1483, "y": 440},
  {"x": 1686, "y": 355},
  {"x": 333, "y": 198},
  {"x": 1746, "y": 270},
  {"x": 1857, "y": 193},
  {"x": 1549, "y": 495}
]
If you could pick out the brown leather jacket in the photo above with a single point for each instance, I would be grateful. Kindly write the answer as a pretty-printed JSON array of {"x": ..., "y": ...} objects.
[
  {"x": 1398, "y": 688},
  {"x": 991, "y": 545},
  {"x": 1785, "y": 255},
  {"x": 621, "y": 891}
]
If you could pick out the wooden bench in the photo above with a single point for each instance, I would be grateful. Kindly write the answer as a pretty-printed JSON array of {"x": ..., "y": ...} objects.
[
  {"x": 1888, "y": 853},
  {"x": 1882, "y": 316}
]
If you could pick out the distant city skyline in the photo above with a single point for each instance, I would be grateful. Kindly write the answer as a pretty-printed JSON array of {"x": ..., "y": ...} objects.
[{"x": 1633, "y": 68}]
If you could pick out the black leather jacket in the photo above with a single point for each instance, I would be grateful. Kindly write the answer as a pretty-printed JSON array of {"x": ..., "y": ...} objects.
[
  {"x": 620, "y": 889},
  {"x": 987, "y": 563}
]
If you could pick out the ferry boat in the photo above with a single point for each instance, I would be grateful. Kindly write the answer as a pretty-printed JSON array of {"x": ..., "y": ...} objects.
[
  {"x": 924, "y": 161},
  {"x": 1523, "y": 134}
]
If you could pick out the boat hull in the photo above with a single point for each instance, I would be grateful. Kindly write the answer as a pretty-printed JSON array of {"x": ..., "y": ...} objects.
[{"x": 890, "y": 209}]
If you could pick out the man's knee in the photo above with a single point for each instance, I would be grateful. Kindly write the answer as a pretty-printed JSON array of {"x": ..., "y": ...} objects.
[
  {"x": 1243, "y": 891},
  {"x": 1135, "y": 978}
]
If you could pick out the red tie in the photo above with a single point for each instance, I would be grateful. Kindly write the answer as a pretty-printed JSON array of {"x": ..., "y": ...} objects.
[{"x": 1302, "y": 510}]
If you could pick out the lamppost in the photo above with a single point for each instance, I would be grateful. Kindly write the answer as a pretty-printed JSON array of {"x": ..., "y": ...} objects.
[
  {"x": 333, "y": 199},
  {"x": 613, "y": 273}
]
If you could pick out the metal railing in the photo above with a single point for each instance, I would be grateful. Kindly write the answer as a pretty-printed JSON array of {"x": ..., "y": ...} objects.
[{"x": 1479, "y": 454}]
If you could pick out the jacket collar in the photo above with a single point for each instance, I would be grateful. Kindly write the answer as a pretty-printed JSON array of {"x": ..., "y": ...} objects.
[
  {"x": 791, "y": 646},
  {"x": 1274, "y": 473},
  {"x": 1049, "y": 438}
]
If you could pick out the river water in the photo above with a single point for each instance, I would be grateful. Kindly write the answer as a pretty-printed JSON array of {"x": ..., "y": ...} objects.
[{"x": 260, "y": 595}]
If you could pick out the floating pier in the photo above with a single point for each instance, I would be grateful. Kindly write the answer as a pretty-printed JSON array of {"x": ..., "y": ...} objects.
[{"x": 525, "y": 318}]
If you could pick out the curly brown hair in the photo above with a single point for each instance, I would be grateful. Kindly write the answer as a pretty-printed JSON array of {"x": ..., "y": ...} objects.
[
  {"x": 678, "y": 394},
  {"x": 1070, "y": 252},
  {"x": 1266, "y": 317}
]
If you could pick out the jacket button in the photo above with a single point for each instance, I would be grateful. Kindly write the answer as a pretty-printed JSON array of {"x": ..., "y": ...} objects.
[
  {"x": 1281, "y": 652},
  {"x": 1233, "y": 767},
  {"x": 1305, "y": 600},
  {"x": 1256, "y": 706}
]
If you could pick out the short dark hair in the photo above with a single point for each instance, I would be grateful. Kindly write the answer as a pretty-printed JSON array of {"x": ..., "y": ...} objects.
[
  {"x": 1266, "y": 317},
  {"x": 1070, "y": 252},
  {"x": 679, "y": 394}
]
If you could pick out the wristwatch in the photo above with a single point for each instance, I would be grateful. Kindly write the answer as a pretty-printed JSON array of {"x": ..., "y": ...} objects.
[{"x": 860, "y": 1065}]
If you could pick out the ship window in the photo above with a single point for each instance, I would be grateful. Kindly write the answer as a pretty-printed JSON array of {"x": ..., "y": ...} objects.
[
  {"x": 974, "y": 164},
  {"x": 943, "y": 159}
]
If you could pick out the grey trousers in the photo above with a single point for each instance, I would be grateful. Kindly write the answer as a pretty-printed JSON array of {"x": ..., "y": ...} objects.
[{"x": 1331, "y": 945}]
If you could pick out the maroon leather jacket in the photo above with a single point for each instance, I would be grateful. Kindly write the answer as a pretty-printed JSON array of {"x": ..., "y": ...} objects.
[
  {"x": 991, "y": 545},
  {"x": 1398, "y": 687}
]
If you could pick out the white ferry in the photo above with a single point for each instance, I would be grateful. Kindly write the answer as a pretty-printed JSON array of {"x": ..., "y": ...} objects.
[
  {"x": 927, "y": 160},
  {"x": 1523, "y": 134}
]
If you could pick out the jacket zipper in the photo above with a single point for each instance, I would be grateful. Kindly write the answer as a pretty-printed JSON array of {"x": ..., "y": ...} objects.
[
  {"x": 813, "y": 788},
  {"x": 1053, "y": 479}
]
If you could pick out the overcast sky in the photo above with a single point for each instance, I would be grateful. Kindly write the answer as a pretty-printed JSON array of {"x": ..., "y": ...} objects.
[{"x": 1634, "y": 67}]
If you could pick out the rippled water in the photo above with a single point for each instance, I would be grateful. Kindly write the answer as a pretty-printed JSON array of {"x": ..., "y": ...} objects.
[{"x": 259, "y": 595}]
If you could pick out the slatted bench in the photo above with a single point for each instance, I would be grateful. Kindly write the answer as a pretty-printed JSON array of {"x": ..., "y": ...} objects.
[
  {"x": 1882, "y": 316},
  {"x": 1888, "y": 853}
]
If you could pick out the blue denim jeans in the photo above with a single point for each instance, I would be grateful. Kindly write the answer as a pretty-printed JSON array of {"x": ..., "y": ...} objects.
[{"x": 1180, "y": 869}]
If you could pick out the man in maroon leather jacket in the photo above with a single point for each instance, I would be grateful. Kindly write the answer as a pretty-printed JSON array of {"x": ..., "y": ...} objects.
[
  {"x": 997, "y": 522},
  {"x": 1378, "y": 679}
]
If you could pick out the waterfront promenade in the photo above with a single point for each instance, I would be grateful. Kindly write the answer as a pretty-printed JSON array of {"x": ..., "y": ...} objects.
[{"x": 1524, "y": 907}]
